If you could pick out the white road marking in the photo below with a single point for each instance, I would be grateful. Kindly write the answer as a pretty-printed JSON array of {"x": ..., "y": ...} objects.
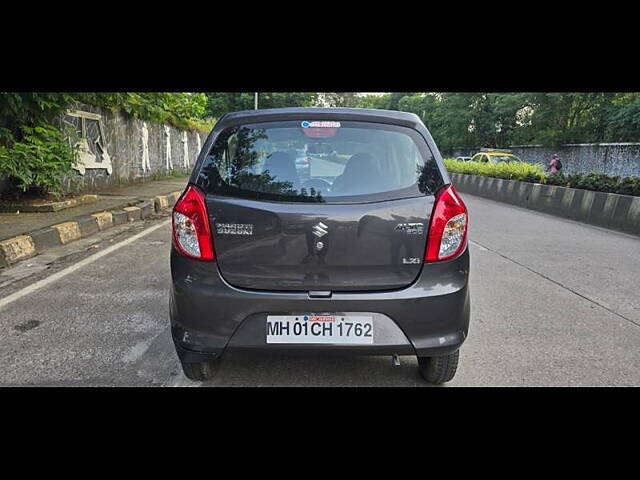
[
  {"x": 63, "y": 273},
  {"x": 135, "y": 352},
  {"x": 182, "y": 381},
  {"x": 477, "y": 245}
]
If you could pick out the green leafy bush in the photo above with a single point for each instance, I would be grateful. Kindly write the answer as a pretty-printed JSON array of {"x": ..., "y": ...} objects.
[
  {"x": 629, "y": 186},
  {"x": 556, "y": 179},
  {"x": 39, "y": 161},
  {"x": 28, "y": 109},
  {"x": 599, "y": 182},
  {"x": 184, "y": 110},
  {"x": 508, "y": 170}
]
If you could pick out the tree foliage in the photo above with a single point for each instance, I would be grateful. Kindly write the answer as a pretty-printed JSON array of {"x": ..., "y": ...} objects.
[
  {"x": 184, "y": 110},
  {"x": 503, "y": 119},
  {"x": 39, "y": 161},
  {"x": 220, "y": 103}
]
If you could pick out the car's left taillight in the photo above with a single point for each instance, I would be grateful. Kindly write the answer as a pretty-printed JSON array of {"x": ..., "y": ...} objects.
[{"x": 191, "y": 231}]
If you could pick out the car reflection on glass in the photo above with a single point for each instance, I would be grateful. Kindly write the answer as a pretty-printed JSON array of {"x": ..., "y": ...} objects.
[{"x": 302, "y": 163}]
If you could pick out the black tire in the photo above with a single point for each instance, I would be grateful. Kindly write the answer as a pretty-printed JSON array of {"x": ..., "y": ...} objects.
[
  {"x": 438, "y": 370},
  {"x": 200, "y": 371}
]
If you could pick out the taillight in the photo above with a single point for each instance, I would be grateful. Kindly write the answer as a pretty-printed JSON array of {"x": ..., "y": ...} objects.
[
  {"x": 448, "y": 227},
  {"x": 191, "y": 232}
]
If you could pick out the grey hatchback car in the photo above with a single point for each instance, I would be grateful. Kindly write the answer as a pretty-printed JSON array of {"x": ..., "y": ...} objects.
[{"x": 365, "y": 255}]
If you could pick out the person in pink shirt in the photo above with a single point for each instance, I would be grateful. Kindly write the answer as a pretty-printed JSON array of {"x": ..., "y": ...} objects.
[{"x": 555, "y": 165}]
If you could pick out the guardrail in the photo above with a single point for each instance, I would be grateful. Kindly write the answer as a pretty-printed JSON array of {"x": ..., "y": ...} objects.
[{"x": 610, "y": 210}]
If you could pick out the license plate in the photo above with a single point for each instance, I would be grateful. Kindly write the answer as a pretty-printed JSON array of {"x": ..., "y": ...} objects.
[{"x": 334, "y": 329}]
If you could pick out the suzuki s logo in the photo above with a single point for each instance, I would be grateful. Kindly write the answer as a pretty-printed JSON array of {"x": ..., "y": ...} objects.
[{"x": 320, "y": 230}]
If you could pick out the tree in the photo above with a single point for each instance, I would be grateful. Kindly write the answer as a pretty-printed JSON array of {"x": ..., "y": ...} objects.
[
  {"x": 624, "y": 118},
  {"x": 220, "y": 103}
]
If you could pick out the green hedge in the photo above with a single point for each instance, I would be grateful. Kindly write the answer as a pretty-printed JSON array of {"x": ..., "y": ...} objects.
[{"x": 534, "y": 173}]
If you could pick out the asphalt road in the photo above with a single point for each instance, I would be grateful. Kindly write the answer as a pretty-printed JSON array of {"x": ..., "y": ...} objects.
[{"x": 554, "y": 302}]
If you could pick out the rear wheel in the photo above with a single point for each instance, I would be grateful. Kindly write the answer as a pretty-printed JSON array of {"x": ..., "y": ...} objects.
[
  {"x": 200, "y": 371},
  {"x": 439, "y": 369}
]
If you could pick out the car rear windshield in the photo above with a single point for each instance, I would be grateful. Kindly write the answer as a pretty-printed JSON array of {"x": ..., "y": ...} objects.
[{"x": 320, "y": 161}]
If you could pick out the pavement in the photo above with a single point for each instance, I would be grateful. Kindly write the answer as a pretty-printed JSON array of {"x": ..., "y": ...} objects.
[
  {"x": 554, "y": 303},
  {"x": 13, "y": 224}
]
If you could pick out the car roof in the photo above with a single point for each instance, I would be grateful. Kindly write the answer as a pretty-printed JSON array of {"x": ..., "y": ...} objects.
[{"x": 320, "y": 113}]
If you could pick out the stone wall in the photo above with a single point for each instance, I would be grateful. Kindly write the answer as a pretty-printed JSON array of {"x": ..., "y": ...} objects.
[
  {"x": 124, "y": 146},
  {"x": 613, "y": 158}
]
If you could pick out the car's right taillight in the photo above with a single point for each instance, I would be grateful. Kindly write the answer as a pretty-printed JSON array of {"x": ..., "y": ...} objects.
[
  {"x": 448, "y": 227},
  {"x": 191, "y": 232}
]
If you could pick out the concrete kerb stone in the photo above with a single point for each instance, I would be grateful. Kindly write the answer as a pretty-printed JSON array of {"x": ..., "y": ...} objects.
[
  {"x": 491, "y": 187},
  {"x": 633, "y": 216},
  {"x": 120, "y": 217},
  {"x": 584, "y": 209},
  {"x": 557, "y": 196},
  {"x": 467, "y": 184},
  {"x": 502, "y": 187},
  {"x": 164, "y": 202},
  {"x": 68, "y": 231},
  {"x": 146, "y": 208},
  {"x": 546, "y": 198},
  {"x": 534, "y": 196},
  {"x": 160, "y": 203},
  {"x": 45, "y": 238},
  {"x": 511, "y": 192},
  {"x": 576, "y": 204},
  {"x": 478, "y": 185},
  {"x": 566, "y": 201},
  {"x": 524, "y": 192},
  {"x": 465, "y": 181},
  {"x": 594, "y": 214},
  {"x": 173, "y": 198},
  {"x": 105, "y": 220},
  {"x": 622, "y": 212},
  {"x": 88, "y": 225},
  {"x": 610, "y": 204},
  {"x": 15, "y": 249},
  {"x": 133, "y": 213}
]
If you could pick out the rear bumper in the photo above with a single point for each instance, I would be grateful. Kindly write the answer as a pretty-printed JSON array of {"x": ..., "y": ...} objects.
[{"x": 209, "y": 316}]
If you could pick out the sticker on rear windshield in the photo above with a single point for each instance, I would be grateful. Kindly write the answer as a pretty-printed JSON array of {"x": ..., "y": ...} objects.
[{"x": 307, "y": 124}]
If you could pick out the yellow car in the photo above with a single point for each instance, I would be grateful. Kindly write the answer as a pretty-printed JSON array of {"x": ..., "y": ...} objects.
[{"x": 495, "y": 156}]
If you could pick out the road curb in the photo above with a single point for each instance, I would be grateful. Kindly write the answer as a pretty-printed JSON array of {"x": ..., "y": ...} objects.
[
  {"x": 15, "y": 249},
  {"x": 609, "y": 210},
  {"x": 24, "y": 246},
  {"x": 161, "y": 202}
]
